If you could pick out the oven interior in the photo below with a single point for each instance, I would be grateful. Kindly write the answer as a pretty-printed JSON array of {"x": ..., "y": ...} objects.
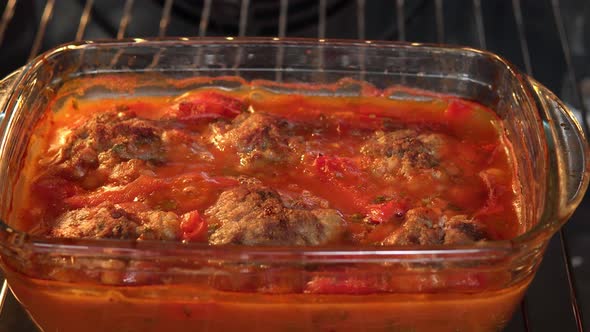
[{"x": 548, "y": 39}]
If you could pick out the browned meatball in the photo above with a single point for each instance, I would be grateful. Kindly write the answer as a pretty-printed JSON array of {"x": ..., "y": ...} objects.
[
  {"x": 127, "y": 171},
  {"x": 158, "y": 225},
  {"x": 404, "y": 153},
  {"x": 463, "y": 230},
  {"x": 253, "y": 214},
  {"x": 108, "y": 139},
  {"x": 257, "y": 137},
  {"x": 424, "y": 226},
  {"x": 116, "y": 222},
  {"x": 103, "y": 222}
]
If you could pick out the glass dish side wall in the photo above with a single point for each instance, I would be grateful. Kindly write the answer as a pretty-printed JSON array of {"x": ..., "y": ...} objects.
[{"x": 170, "y": 67}]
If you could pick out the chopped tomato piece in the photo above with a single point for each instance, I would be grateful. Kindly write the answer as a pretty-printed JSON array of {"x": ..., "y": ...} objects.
[
  {"x": 193, "y": 227},
  {"x": 128, "y": 193},
  {"x": 208, "y": 105},
  {"x": 335, "y": 167}
]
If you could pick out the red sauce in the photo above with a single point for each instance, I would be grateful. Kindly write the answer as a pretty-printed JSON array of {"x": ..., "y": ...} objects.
[{"x": 470, "y": 175}]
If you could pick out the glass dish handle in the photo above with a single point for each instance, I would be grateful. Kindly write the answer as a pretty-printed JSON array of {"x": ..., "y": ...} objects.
[
  {"x": 6, "y": 88},
  {"x": 568, "y": 141},
  {"x": 8, "y": 236}
]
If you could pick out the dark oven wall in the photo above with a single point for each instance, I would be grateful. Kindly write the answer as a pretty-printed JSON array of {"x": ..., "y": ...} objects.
[{"x": 549, "y": 39}]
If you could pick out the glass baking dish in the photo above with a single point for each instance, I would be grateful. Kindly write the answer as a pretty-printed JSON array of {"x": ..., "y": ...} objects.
[{"x": 192, "y": 287}]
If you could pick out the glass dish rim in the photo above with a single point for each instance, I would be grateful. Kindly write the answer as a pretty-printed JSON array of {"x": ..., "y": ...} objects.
[{"x": 537, "y": 234}]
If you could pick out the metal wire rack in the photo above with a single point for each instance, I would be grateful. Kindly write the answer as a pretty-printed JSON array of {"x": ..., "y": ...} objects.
[{"x": 552, "y": 302}]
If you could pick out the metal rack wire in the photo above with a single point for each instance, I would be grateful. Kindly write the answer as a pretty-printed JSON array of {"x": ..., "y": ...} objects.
[{"x": 524, "y": 320}]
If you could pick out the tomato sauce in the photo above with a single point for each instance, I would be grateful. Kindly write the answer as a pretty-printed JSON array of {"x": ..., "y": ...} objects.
[
  {"x": 328, "y": 162},
  {"x": 61, "y": 307}
]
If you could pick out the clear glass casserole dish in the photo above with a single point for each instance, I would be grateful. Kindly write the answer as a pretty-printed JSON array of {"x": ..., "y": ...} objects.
[{"x": 199, "y": 287}]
